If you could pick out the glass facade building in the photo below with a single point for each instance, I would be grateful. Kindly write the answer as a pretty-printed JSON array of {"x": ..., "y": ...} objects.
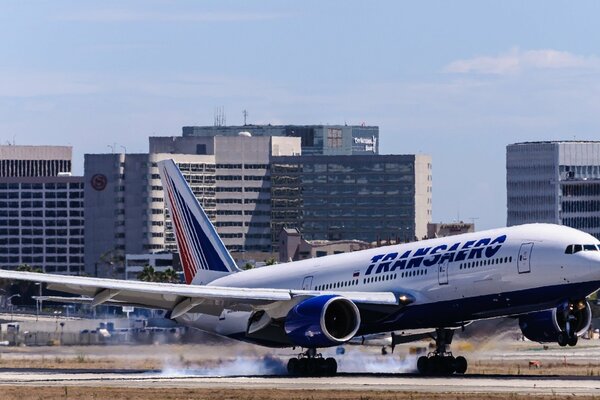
[
  {"x": 42, "y": 223},
  {"x": 554, "y": 182},
  {"x": 315, "y": 139},
  {"x": 366, "y": 198}
]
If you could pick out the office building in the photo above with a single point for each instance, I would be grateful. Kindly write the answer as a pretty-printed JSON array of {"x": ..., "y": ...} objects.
[
  {"x": 366, "y": 198},
  {"x": 444, "y": 229},
  {"x": 555, "y": 182},
  {"x": 293, "y": 247},
  {"x": 125, "y": 207},
  {"x": 315, "y": 139},
  {"x": 20, "y": 161},
  {"x": 41, "y": 209}
]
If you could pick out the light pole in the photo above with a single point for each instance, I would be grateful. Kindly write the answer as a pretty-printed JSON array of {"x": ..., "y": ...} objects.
[
  {"x": 10, "y": 304},
  {"x": 38, "y": 301}
]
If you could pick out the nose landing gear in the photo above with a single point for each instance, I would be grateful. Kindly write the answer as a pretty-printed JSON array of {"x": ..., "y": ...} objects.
[
  {"x": 442, "y": 362},
  {"x": 311, "y": 363}
]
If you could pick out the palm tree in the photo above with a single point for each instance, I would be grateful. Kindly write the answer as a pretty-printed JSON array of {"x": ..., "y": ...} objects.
[
  {"x": 271, "y": 261},
  {"x": 148, "y": 274},
  {"x": 170, "y": 276}
]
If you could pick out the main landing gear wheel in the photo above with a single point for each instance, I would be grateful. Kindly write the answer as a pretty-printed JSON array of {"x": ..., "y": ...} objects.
[
  {"x": 310, "y": 363},
  {"x": 442, "y": 362},
  {"x": 564, "y": 339}
]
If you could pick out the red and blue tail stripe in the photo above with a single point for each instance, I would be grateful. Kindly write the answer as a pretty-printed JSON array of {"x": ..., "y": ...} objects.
[{"x": 199, "y": 245}]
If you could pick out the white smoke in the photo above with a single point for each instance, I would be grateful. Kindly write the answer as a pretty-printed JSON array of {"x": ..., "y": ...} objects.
[
  {"x": 355, "y": 360},
  {"x": 364, "y": 361},
  {"x": 240, "y": 366}
]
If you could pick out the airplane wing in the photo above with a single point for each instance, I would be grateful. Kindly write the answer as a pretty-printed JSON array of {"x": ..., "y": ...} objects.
[{"x": 180, "y": 299}]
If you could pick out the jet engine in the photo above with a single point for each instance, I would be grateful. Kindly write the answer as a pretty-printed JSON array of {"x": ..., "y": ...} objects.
[
  {"x": 562, "y": 324},
  {"x": 322, "y": 321}
]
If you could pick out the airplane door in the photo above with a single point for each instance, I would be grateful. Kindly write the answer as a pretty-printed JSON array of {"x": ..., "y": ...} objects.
[
  {"x": 307, "y": 283},
  {"x": 443, "y": 273},
  {"x": 524, "y": 260}
]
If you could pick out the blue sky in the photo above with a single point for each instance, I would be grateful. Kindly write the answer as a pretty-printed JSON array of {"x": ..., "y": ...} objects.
[{"x": 458, "y": 80}]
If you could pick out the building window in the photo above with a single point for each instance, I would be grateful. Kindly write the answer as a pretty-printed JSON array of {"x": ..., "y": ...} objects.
[{"x": 334, "y": 138}]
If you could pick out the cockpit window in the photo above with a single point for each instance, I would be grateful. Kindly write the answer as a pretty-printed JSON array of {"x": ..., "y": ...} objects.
[
  {"x": 569, "y": 249},
  {"x": 590, "y": 247},
  {"x": 577, "y": 248}
]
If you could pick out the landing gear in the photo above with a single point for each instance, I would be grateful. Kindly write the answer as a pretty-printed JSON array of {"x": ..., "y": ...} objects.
[
  {"x": 442, "y": 362},
  {"x": 311, "y": 363},
  {"x": 565, "y": 339},
  {"x": 569, "y": 335}
]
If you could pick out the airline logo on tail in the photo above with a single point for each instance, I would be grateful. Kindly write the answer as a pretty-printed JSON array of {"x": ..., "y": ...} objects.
[{"x": 200, "y": 247}]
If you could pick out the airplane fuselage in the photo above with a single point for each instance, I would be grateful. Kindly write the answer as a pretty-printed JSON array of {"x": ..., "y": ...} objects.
[{"x": 453, "y": 280}]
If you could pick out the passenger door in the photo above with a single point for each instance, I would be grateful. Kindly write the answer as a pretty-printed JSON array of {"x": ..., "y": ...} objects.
[
  {"x": 524, "y": 260},
  {"x": 307, "y": 283},
  {"x": 443, "y": 273}
]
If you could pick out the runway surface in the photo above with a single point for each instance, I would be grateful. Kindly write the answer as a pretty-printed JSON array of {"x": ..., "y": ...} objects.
[{"x": 551, "y": 385}]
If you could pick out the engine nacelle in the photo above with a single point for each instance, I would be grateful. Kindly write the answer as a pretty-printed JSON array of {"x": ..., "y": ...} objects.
[
  {"x": 544, "y": 326},
  {"x": 322, "y": 321}
]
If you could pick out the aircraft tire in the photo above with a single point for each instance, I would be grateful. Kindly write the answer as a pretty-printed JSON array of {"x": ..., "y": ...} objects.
[
  {"x": 562, "y": 339},
  {"x": 292, "y": 366},
  {"x": 449, "y": 365},
  {"x": 460, "y": 365},
  {"x": 573, "y": 341},
  {"x": 423, "y": 365},
  {"x": 330, "y": 366}
]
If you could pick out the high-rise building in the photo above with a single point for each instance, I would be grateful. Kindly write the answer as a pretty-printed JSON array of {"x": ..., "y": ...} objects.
[
  {"x": 41, "y": 209},
  {"x": 230, "y": 176},
  {"x": 125, "y": 207},
  {"x": 17, "y": 161},
  {"x": 555, "y": 182},
  {"x": 367, "y": 198},
  {"x": 315, "y": 139}
]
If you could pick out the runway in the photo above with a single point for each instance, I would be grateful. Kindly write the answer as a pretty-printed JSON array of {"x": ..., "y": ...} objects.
[{"x": 472, "y": 384}]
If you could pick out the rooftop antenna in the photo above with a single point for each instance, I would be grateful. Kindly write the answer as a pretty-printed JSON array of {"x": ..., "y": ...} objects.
[
  {"x": 220, "y": 116},
  {"x": 245, "y": 114}
]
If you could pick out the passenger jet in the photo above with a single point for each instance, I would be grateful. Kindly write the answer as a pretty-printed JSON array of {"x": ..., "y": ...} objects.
[{"x": 538, "y": 273}]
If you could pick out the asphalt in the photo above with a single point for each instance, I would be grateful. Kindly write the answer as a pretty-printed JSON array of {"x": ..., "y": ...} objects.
[{"x": 547, "y": 385}]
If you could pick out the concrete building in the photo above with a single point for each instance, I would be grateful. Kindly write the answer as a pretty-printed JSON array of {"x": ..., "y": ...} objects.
[
  {"x": 443, "y": 229},
  {"x": 17, "y": 161},
  {"x": 41, "y": 209},
  {"x": 292, "y": 247},
  {"x": 366, "y": 198},
  {"x": 125, "y": 204},
  {"x": 315, "y": 139},
  {"x": 555, "y": 182},
  {"x": 135, "y": 263},
  {"x": 243, "y": 182},
  {"x": 125, "y": 207}
]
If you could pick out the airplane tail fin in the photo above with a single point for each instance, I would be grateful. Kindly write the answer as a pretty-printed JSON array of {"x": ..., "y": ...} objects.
[{"x": 203, "y": 254}]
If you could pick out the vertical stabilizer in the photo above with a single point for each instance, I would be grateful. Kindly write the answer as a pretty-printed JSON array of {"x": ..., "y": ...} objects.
[{"x": 203, "y": 254}]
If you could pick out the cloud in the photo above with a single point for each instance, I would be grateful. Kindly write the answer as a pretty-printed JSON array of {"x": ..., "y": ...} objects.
[
  {"x": 116, "y": 15},
  {"x": 516, "y": 61}
]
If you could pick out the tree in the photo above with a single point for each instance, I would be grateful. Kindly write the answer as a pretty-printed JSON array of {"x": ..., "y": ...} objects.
[
  {"x": 168, "y": 276},
  {"x": 148, "y": 274},
  {"x": 271, "y": 261},
  {"x": 247, "y": 266}
]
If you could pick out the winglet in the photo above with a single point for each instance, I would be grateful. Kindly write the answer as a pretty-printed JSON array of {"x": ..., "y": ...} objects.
[{"x": 203, "y": 254}]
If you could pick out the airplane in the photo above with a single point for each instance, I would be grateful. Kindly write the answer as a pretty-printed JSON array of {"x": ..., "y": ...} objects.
[{"x": 538, "y": 273}]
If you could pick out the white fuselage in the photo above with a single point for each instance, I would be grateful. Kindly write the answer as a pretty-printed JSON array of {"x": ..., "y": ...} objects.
[{"x": 465, "y": 277}]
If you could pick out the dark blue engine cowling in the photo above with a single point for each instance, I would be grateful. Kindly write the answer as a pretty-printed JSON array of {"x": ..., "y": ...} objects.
[
  {"x": 544, "y": 326},
  {"x": 322, "y": 321}
]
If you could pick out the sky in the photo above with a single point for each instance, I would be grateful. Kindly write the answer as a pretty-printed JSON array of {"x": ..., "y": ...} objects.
[{"x": 457, "y": 80}]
